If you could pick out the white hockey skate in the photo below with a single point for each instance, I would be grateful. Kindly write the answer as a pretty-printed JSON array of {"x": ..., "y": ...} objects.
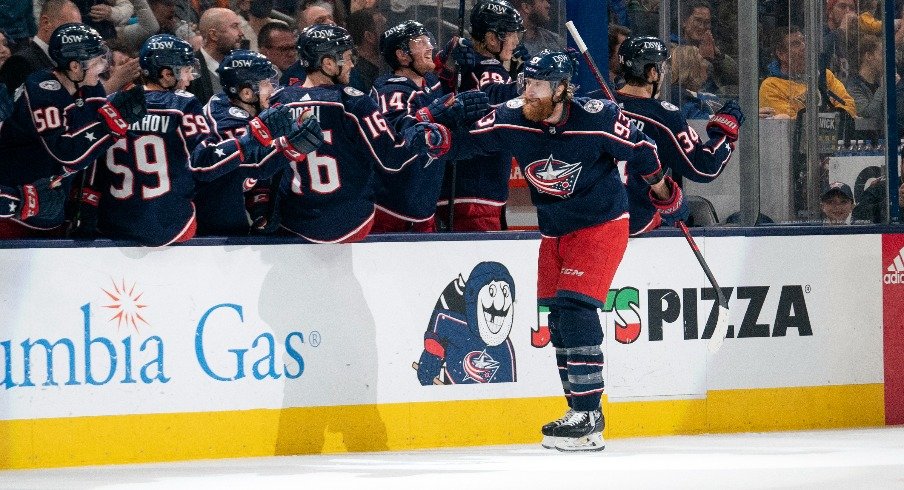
[{"x": 582, "y": 431}]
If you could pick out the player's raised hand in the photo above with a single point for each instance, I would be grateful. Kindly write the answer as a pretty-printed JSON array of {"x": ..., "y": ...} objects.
[
  {"x": 726, "y": 122},
  {"x": 446, "y": 110},
  {"x": 458, "y": 53},
  {"x": 272, "y": 123},
  {"x": 123, "y": 108},
  {"x": 476, "y": 105},
  {"x": 304, "y": 138},
  {"x": 519, "y": 57}
]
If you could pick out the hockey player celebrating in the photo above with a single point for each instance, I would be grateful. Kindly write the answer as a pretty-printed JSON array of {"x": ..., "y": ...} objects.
[
  {"x": 328, "y": 198},
  {"x": 680, "y": 148},
  {"x": 406, "y": 201},
  {"x": 481, "y": 187},
  {"x": 248, "y": 79},
  {"x": 147, "y": 180},
  {"x": 62, "y": 122},
  {"x": 567, "y": 149}
]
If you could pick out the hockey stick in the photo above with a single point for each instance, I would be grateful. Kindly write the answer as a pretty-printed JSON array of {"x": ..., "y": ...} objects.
[
  {"x": 453, "y": 171},
  {"x": 582, "y": 48},
  {"x": 721, "y": 330}
]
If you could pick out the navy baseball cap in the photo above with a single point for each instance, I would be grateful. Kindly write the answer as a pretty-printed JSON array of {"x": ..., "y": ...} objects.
[{"x": 839, "y": 188}]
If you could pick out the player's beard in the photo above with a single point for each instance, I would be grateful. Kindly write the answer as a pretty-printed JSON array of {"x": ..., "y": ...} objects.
[{"x": 538, "y": 110}]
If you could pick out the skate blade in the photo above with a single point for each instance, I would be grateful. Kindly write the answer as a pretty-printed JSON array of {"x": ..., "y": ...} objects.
[
  {"x": 549, "y": 442},
  {"x": 592, "y": 442}
]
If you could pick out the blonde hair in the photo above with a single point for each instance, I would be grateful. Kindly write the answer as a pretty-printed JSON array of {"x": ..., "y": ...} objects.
[{"x": 689, "y": 69}]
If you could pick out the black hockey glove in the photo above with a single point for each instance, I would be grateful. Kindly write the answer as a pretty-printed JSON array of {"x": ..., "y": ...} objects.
[
  {"x": 123, "y": 108},
  {"x": 476, "y": 105},
  {"x": 458, "y": 56},
  {"x": 304, "y": 138},
  {"x": 726, "y": 122},
  {"x": 519, "y": 57},
  {"x": 270, "y": 124},
  {"x": 43, "y": 199},
  {"x": 446, "y": 110}
]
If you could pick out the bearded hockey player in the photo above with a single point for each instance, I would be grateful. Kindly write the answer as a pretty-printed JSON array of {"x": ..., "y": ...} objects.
[
  {"x": 406, "y": 200},
  {"x": 681, "y": 149},
  {"x": 567, "y": 150},
  {"x": 328, "y": 198},
  {"x": 248, "y": 79}
]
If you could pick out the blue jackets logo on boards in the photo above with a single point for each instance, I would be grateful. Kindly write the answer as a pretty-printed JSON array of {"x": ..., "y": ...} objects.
[{"x": 467, "y": 338}]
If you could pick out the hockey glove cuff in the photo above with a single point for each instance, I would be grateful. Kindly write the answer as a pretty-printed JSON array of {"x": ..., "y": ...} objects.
[
  {"x": 42, "y": 199},
  {"x": 446, "y": 110},
  {"x": 675, "y": 201},
  {"x": 726, "y": 122},
  {"x": 270, "y": 124}
]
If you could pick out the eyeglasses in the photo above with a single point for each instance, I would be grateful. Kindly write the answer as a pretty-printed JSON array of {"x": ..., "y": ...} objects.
[{"x": 283, "y": 49}]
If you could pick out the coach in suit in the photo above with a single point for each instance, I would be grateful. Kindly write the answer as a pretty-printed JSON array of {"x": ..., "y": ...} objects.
[{"x": 221, "y": 32}]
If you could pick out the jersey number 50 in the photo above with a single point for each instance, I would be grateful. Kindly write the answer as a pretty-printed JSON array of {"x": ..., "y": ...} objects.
[{"x": 323, "y": 170}]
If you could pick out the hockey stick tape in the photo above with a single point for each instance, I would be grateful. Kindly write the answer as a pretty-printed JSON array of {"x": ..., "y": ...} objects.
[{"x": 576, "y": 36}]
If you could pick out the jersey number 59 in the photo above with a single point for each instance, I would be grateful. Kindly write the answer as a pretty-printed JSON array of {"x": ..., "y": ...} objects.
[{"x": 149, "y": 154}]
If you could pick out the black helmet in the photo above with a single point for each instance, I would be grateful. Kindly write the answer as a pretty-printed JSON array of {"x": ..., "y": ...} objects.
[
  {"x": 75, "y": 42},
  {"x": 553, "y": 66},
  {"x": 398, "y": 37},
  {"x": 242, "y": 68},
  {"x": 321, "y": 40},
  {"x": 638, "y": 53},
  {"x": 497, "y": 16},
  {"x": 166, "y": 51}
]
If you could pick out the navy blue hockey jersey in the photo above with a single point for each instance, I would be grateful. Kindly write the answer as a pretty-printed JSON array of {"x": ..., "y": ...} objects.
[
  {"x": 485, "y": 179},
  {"x": 146, "y": 180},
  {"x": 294, "y": 75},
  {"x": 50, "y": 134},
  {"x": 410, "y": 194},
  {"x": 571, "y": 167},
  {"x": 220, "y": 202},
  {"x": 680, "y": 149},
  {"x": 329, "y": 196}
]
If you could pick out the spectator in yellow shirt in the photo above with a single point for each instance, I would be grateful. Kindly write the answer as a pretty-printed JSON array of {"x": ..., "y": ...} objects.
[{"x": 785, "y": 91}]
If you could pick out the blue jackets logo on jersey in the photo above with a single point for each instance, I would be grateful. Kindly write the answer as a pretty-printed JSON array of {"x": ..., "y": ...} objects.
[
  {"x": 553, "y": 176},
  {"x": 467, "y": 339}
]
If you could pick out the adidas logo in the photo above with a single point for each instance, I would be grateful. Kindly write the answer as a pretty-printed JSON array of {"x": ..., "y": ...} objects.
[{"x": 895, "y": 274}]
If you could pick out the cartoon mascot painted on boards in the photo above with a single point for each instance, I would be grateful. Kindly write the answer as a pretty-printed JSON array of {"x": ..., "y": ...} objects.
[{"x": 467, "y": 340}]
